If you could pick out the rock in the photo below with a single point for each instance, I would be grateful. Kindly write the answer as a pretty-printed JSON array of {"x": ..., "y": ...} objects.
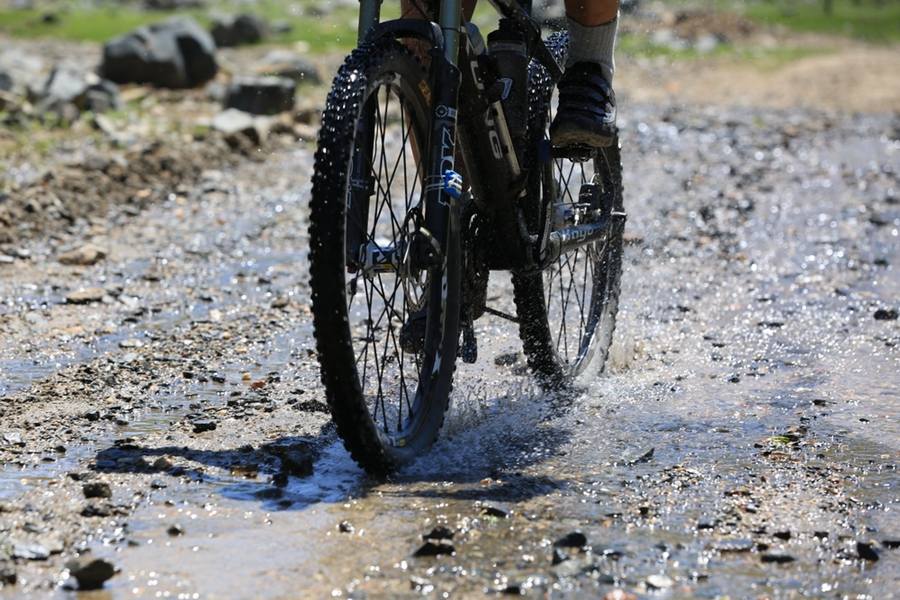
[
  {"x": 576, "y": 539},
  {"x": 261, "y": 95},
  {"x": 741, "y": 545},
  {"x": 495, "y": 510},
  {"x": 176, "y": 53},
  {"x": 346, "y": 527},
  {"x": 96, "y": 509},
  {"x": 6, "y": 81},
  {"x": 619, "y": 595},
  {"x": 7, "y": 573},
  {"x": 431, "y": 548},
  {"x": 237, "y": 125},
  {"x": 175, "y": 530},
  {"x": 284, "y": 63},
  {"x": 104, "y": 96},
  {"x": 89, "y": 254},
  {"x": 439, "y": 533},
  {"x": 162, "y": 463},
  {"x": 91, "y": 575},
  {"x": 86, "y": 296},
  {"x": 238, "y": 30},
  {"x": 886, "y": 314},
  {"x": 202, "y": 426},
  {"x": 29, "y": 551},
  {"x": 297, "y": 464},
  {"x": 777, "y": 557},
  {"x": 660, "y": 582},
  {"x": 97, "y": 489},
  {"x": 866, "y": 551},
  {"x": 65, "y": 88}
]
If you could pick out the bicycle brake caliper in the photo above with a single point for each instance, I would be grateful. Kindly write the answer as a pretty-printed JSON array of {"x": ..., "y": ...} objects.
[{"x": 424, "y": 250}]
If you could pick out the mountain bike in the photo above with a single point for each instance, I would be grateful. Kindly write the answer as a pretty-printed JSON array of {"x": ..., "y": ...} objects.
[{"x": 427, "y": 178}]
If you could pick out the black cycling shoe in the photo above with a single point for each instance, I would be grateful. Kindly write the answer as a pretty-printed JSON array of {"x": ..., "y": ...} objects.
[{"x": 587, "y": 108}]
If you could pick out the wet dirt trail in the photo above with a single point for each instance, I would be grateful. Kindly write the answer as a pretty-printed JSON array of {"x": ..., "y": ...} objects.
[{"x": 745, "y": 443}]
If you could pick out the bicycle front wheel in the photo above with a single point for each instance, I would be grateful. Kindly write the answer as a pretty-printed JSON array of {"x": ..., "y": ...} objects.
[
  {"x": 567, "y": 313},
  {"x": 386, "y": 335}
]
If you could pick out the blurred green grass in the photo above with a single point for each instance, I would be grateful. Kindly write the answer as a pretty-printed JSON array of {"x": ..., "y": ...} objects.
[
  {"x": 876, "y": 21},
  {"x": 331, "y": 27},
  {"x": 324, "y": 31}
]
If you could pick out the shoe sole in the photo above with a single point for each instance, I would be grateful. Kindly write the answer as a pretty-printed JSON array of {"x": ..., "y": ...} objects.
[{"x": 566, "y": 137}]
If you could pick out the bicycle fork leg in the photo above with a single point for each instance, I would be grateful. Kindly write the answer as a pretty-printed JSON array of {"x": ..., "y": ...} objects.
[
  {"x": 362, "y": 187},
  {"x": 441, "y": 207}
]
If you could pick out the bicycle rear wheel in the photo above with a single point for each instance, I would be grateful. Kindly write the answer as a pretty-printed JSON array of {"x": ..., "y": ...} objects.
[
  {"x": 386, "y": 335},
  {"x": 567, "y": 313}
]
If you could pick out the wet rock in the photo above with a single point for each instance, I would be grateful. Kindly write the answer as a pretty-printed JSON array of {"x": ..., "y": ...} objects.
[
  {"x": 297, "y": 464},
  {"x": 162, "y": 463},
  {"x": 886, "y": 314},
  {"x": 892, "y": 544},
  {"x": 261, "y": 95},
  {"x": 89, "y": 254},
  {"x": 13, "y": 438},
  {"x": 236, "y": 124},
  {"x": 776, "y": 556},
  {"x": 866, "y": 551},
  {"x": 86, "y": 295},
  {"x": 346, "y": 527},
  {"x": 439, "y": 533},
  {"x": 92, "y": 415},
  {"x": 506, "y": 360},
  {"x": 91, "y": 575},
  {"x": 175, "y": 530},
  {"x": 284, "y": 63},
  {"x": 782, "y": 535},
  {"x": 29, "y": 551},
  {"x": 204, "y": 425},
  {"x": 7, "y": 573},
  {"x": 435, "y": 548},
  {"x": 158, "y": 484},
  {"x": 177, "y": 53},
  {"x": 619, "y": 595},
  {"x": 660, "y": 582},
  {"x": 237, "y": 30},
  {"x": 740, "y": 545},
  {"x": 495, "y": 510},
  {"x": 576, "y": 539},
  {"x": 96, "y": 489}
]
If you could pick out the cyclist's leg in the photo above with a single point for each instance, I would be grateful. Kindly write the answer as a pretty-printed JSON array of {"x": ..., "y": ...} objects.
[{"x": 587, "y": 108}]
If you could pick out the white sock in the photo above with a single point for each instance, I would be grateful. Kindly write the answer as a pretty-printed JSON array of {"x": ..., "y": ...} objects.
[{"x": 593, "y": 44}]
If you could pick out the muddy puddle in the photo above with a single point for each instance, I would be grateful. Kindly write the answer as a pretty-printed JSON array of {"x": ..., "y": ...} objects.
[{"x": 745, "y": 443}]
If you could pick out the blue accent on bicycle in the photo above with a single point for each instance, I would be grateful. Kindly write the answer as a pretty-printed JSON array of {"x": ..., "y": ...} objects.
[{"x": 453, "y": 184}]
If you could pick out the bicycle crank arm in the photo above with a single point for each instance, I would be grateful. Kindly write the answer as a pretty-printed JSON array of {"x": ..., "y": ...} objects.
[{"x": 575, "y": 236}]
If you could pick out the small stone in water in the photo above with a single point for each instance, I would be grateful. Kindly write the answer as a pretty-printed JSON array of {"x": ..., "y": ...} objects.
[
  {"x": 91, "y": 575},
  {"x": 175, "y": 530},
  {"x": 97, "y": 489}
]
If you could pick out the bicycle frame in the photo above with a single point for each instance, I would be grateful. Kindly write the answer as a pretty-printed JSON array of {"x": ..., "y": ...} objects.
[{"x": 478, "y": 126}]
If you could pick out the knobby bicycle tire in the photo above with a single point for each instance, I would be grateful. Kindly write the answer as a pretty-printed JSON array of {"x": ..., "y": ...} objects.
[
  {"x": 567, "y": 313},
  {"x": 386, "y": 329}
]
